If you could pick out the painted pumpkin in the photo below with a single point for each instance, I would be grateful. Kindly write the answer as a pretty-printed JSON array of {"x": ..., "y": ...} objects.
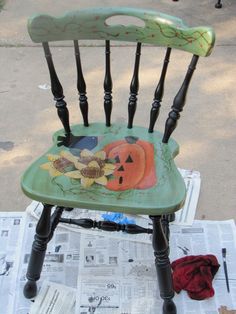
[{"x": 135, "y": 167}]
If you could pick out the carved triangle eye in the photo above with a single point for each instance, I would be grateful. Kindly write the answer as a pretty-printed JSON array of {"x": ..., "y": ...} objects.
[
  {"x": 129, "y": 159},
  {"x": 117, "y": 159}
]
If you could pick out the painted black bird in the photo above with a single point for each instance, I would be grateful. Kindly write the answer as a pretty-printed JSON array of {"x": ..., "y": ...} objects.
[{"x": 78, "y": 143}]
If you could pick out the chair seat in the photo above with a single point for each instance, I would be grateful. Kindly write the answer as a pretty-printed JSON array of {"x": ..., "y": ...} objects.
[{"x": 108, "y": 168}]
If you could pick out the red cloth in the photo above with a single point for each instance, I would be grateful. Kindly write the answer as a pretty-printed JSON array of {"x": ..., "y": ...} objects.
[{"x": 195, "y": 274}]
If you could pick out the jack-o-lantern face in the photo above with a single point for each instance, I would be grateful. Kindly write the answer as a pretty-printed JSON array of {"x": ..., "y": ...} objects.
[
  {"x": 134, "y": 160},
  {"x": 130, "y": 166}
]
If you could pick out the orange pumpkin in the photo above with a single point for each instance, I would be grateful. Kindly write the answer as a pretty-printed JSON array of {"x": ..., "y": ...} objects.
[
  {"x": 149, "y": 178},
  {"x": 135, "y": 168}
]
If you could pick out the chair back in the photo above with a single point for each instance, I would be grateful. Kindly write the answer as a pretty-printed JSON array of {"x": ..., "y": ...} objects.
[{"x": 150, "y": 27}]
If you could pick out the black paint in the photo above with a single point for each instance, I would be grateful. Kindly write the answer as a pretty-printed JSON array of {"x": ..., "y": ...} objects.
[
  {"x": 163, "y": 267},
  {"x": 159, "y": 93},
  {"x": 134, "y": 87},
  {"x": 57, "y": 91},
  {"x": 106, "y": 225},
  {"x": 43, "y": 233},
  {"x": 107, "y": 85},
  {"x": 179, "y": 102},
  {"x": 81, "y": 86}
]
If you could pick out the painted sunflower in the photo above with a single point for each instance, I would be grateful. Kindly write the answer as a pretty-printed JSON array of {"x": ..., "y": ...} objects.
[
  {"x": 91, "y": 168},
  {"x": 58, "y": 165}
]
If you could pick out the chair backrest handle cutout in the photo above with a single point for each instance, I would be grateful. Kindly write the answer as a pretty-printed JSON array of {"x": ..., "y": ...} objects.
[{"x": 125, "y": 20}]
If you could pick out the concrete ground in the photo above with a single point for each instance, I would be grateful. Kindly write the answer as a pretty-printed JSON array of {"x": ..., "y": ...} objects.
[{"x": 206, "y": 131}]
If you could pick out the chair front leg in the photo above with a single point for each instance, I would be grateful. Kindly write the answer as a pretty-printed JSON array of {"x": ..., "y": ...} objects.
[
  {"x": 43, "y": 230},
  {"x": 163, "y": 267}
]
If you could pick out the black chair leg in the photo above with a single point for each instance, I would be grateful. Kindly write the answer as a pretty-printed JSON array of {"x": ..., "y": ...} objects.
[
  {"x": 162, "y": 262},
  {"x": 43, "y": 230}
]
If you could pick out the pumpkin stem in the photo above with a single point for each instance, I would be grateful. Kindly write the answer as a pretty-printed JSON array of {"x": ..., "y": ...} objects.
[{"x": 131, "y": 139}]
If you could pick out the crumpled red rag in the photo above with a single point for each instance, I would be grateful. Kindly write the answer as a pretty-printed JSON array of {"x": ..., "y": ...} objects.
[{"x": 195, "y": 274}]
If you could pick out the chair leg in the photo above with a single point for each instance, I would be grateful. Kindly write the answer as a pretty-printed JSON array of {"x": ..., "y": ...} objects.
[
  {"x": 162, "y": 262},
  {"x": 165, "y": 220},
  {"x": 43, "y": 230}
]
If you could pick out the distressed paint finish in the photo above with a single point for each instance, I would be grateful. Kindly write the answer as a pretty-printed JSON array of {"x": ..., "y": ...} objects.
[
  {"x": 160, "y": 29},
  {"x": 166, "y": 196}
]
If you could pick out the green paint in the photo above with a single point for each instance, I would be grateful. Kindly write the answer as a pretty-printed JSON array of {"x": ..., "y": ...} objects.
[
  {"x": 166, "y": 196},
  {"x": 160, "y": 29}
]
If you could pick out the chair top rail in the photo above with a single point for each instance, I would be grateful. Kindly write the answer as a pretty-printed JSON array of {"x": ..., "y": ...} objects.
[{"x": 158, "y": 29}]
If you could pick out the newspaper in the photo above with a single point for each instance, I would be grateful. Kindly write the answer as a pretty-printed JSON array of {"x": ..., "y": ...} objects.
[
  {"x": 184, "y": 216},
  {"x": 192, "y": 179},
  {"x": 61, "y": 262},
  {"x": 54, "y": 299},
  {"x": 111, "y": 275},
  {"x": 119, "y": 276},
  {"x": 10, "y": 229}
]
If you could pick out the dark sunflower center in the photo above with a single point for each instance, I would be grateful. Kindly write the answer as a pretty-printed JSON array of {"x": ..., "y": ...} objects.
[
  {"x": 63, "y": 165},
  {"x": 92, "y": 172}
]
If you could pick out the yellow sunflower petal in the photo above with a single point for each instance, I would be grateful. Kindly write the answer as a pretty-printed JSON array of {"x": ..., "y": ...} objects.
[
  {"x": 107, "y": 172},
  {"x": 109, "y": 166},
  {"x": 101, "y": 180},
  {"x": 68, "y": 156},
  {"x": 74, "y": 174},
  {"x": 93, "y": 164},
  {"x": 101, "y": 154},
  {"x": 52, "y": 157},
  {"x": 86, "y": 182},
  {"x": 86, "y": 153},
  {"x": 108, "y": 169},
  {"x": 52, "y": 171},
  {"x": 55, "y": 173},
  {"x": 79, "y": 165},
  {"x": 46, "y": 166}
]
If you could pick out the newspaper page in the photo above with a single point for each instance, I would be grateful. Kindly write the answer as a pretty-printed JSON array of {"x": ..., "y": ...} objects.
[
  {"x": 54, "y": 298},
  {"x": 10, "y": 228},
  {"x": 114, "y": 275},
  {"x": 61, "y": 262},
  {"x": 192, "y": 179},
  {"x": 184, "y": 216},
  {"x": 119, "y": 276}
]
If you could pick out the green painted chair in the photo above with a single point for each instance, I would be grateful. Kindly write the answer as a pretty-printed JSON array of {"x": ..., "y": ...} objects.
[{"x": 106, "y": 166}]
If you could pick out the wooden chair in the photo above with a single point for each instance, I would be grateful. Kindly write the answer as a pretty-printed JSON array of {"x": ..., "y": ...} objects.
[{"x": 129, "y": 170}]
